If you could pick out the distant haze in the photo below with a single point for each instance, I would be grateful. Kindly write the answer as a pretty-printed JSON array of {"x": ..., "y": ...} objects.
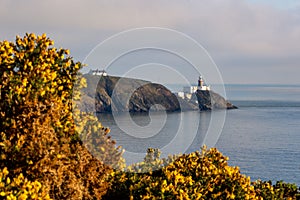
[{"x": 251, "y": 41}]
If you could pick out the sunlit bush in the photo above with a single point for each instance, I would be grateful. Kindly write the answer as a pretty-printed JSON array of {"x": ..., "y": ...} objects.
[
  {"x": 20, "y": 188},
  {"x": 38, "y": 136},
  {"x": 198, "y": 175}
]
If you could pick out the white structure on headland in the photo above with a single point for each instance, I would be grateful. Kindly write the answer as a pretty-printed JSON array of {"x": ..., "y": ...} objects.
[
  {"x": 180, "y": 94},
  {"x": 98, "y": 72},
  {"x": 201, "y": 85},
  {"x": 189, "y": 90}
]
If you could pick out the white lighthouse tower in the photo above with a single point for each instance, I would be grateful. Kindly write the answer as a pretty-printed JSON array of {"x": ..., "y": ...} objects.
[
  {"x": 201, "y": 85},
  {"x": 200, "y": 82}
]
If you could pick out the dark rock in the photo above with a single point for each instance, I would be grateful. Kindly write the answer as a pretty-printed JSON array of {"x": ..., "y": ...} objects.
[
  {"x": 209, "y": 100},
  {"x": 125, "y": 94},
  {"x": 151, "y": 95}
]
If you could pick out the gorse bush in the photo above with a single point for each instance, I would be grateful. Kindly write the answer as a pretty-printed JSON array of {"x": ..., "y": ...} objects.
[
  {"x": 281, "y": 190},
  {"x": 20, "y": 188},
  {"x": 38, "y": 134},
  {"x": 198, "y": 175},
  {"x": 286, "y": 190}
]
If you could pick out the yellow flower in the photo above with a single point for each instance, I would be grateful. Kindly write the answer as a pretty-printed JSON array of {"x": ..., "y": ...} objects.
[
  {"x": 43, "y": 92},
  {"x": 5, "y": 171},
  {"x": 24, "y": 82},
  {"x": 22, "y": 197},
  {"x": 19, "y": 90},
  {"x": 33, "y": 36}
]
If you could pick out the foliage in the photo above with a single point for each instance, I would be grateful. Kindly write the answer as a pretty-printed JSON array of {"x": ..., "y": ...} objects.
[
  {"x": 281, "y": 190},
  {"x": 286, "y": 190},
  {"x": 20, "y": 188},
  {"x": 198, "y": 175},
  {"x": 88, "y": 126},
  {"x": 38, "y": 136}
]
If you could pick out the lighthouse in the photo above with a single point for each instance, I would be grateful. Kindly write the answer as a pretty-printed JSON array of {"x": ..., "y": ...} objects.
[
  {"x": 201, "y": 85},
  {"x": 200, "y": 82},
  {"x": 189, "y": 90}
]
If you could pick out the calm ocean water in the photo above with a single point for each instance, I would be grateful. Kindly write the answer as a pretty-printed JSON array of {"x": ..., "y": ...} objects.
[{"x": 262, "y": 137}]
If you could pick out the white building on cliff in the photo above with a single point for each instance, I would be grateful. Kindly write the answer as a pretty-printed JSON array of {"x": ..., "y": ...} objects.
[
  {"x": 97, "y": 72},
  {"x": 200, "y": 86},
  {"x": 189, "y": 90}
]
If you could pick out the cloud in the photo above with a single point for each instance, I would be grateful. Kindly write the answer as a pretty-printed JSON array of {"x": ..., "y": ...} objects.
[
  {"x": 92, "y": 14},
  {"x": 236, "y": 33}
]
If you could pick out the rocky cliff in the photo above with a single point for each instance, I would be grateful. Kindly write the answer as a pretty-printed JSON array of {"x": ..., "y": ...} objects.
[
  {"x": 209, "y": 100},
  {"x": 125, "y": 94},
  {"x": 110, "y": 93}
]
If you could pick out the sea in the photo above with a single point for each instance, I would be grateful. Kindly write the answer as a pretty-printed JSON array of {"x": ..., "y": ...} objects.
[{"x": 262, "y": 136}]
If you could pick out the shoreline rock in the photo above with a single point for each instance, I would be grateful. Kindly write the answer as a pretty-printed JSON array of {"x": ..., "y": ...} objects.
[{"x": 209, "y": 100}]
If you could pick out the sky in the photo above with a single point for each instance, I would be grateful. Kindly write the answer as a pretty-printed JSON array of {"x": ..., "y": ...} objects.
[{"x": 250, "y": 41}]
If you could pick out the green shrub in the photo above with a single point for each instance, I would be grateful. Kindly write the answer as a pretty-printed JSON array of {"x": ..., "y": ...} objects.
[
  {"x": 280, "y": 190},
  {"x": 285, "y": 190}
]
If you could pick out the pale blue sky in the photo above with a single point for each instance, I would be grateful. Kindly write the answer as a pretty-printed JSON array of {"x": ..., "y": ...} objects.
[{"x": 251, "y": 41}]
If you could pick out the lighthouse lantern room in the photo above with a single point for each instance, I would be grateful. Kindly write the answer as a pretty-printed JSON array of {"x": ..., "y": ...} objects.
[{"x": 201, "y": 85}]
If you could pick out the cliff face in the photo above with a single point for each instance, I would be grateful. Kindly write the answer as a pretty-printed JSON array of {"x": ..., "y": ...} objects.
[
  {"x": 124, "y": 94},
  {"x": 209, "y": 100},
  {"x": 109, "y": 93}
]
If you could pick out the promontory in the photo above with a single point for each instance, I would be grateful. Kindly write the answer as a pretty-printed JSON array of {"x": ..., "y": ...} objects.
[{"x": 106, "y": 94}]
